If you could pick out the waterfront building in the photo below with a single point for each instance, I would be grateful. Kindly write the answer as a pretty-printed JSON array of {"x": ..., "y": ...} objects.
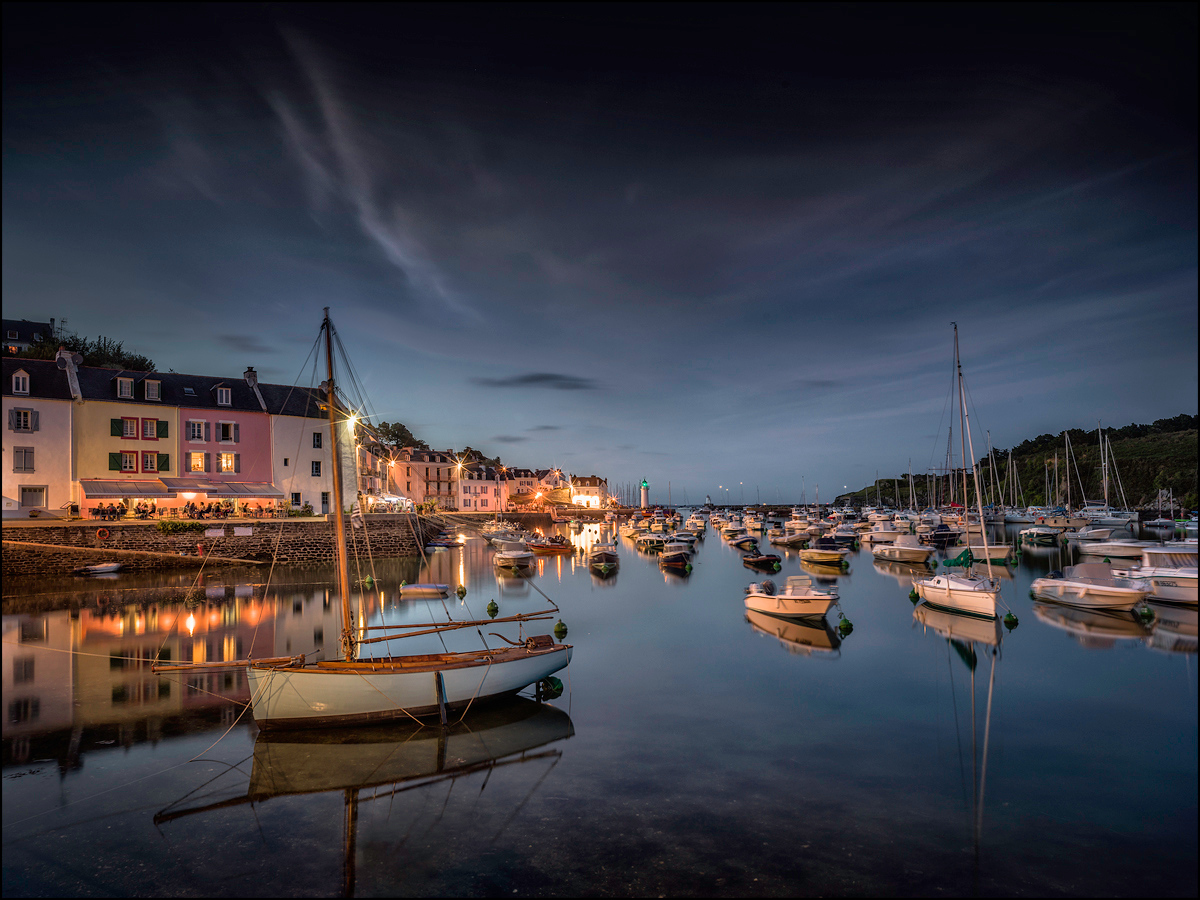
[
  {"x": 480, "y": 489},
  {"x": 124, "y": 436},
  {"x": 519, "y": 488},
  {"x": 38, "y": 416},
  {"x": 300, "y": 448},
  {"x": 223, "y": 442},
  {"x": 590, "y": 491},
  {"x": 427, "y": 476}
]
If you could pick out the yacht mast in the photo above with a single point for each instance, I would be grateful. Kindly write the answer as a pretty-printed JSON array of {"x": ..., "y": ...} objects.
[
  {"x": 966, "y": 427},
  {"x": 339, "y": 525}
]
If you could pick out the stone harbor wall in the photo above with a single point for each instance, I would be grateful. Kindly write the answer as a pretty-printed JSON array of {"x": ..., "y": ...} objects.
[{"x": 57, "y": 549}]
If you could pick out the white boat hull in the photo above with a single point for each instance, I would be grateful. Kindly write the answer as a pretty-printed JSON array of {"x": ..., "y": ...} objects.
[
  {"x": 959, "y": 594},
  {"x": 341, "y": 694},
  {"x": 783, "y": 605},
  {"x": 894, "y": 553},
  {"x": 1092, "y": 596}
]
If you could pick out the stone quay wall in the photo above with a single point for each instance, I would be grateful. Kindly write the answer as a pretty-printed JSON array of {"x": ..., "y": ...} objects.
[{"x": 57, "y": 549}]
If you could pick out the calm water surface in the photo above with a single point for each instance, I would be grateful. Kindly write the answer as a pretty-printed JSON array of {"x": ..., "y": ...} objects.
[{"x": 694, "y": 751}]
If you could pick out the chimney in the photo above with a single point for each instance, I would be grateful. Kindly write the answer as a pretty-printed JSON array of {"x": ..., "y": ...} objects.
[
  {"x": 252, "y": 379},
  {"x": 69, "y": 362}
]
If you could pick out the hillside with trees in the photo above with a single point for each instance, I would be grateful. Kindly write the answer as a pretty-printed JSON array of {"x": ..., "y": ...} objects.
[{"x": 1148, "y": 459}]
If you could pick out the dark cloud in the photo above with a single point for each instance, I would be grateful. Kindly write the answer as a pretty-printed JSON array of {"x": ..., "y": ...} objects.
[
  {"x": 540, "y": 380},
  {"x": 545, "y": 428},
  {"x": 509, "y": 439},
  {"x": 246, "y": 343}
]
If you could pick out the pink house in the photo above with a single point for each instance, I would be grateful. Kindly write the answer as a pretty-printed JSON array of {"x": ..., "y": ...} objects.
[{"x": 224, "y": 438}]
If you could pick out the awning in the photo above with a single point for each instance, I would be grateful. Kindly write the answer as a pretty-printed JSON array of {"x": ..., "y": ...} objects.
[
  {"x": 227, "y": 490},
  {"x": 96, "y": 489}
]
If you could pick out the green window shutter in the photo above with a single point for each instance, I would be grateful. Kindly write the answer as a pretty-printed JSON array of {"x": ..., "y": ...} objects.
[
  {"x": 164, "y": 462},
  {"x": 161, "y": 425},
  {"x": 114, "y": 460},
  {"x": 116, "y": 428}
]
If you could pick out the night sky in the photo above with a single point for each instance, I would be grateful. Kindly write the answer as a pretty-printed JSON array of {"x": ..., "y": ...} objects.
[{"x": 700, "y": 245}]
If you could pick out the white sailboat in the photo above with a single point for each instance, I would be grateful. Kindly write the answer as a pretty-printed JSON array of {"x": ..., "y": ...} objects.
[
  {"x": 965, "y": 591},
  {"x": 296, "y": 693}
]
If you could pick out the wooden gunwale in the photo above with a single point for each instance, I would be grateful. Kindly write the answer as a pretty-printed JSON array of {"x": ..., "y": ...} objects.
[{"x": 429, "y": 662}]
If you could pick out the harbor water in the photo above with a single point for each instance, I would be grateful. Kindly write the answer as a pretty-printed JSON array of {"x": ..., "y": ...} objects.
[{"x": 696, "y": 749}]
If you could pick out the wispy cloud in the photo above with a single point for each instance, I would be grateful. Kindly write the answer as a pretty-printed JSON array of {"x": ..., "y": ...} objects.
[
  {"x": 247, "y": 343},
  {"x": 540, "y": 380},
  {"x": 545, "y": 428},
  {"x": 509, "y": 439}
]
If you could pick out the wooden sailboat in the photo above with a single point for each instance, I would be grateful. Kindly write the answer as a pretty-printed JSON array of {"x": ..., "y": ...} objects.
[{"x": 294, "y": 693}]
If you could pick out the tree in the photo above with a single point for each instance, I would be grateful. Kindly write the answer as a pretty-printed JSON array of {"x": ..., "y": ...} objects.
[
  {"x": 103, "y": 352},
  {"x": 397, "y": 435}
]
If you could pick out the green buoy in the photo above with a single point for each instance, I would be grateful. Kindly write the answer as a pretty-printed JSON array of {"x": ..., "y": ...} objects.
[
  {"x": 1010, "y": 621},
  {"x": 492, "y": 609},
  {"x": 560, "y": 630},
  {"x": 462, "y": 591}
]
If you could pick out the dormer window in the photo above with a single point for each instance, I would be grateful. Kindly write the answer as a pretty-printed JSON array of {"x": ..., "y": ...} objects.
[
  {"x": 20, "y": 383},
  {"x": 125, "y": 388},
  {"x": 37, "y": 335},
  {"x": 189, "y": 392},
  {"x": 12, "y": 335},
  {"x": 224, "y": 396},
  {"x": 152, "y": 390}
]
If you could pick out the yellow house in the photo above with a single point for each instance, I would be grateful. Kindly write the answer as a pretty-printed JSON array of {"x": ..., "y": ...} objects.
[{"x": 124, "y": 436}]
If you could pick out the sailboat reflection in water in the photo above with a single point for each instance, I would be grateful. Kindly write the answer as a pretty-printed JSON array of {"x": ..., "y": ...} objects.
[
  {"x": 400, "y": 757},
  {"x": 967, "y": 635}
]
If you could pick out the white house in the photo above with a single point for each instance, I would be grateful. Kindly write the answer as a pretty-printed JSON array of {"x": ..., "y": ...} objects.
[
  {"x": 589, "y": 490},
  {"x": 480, "y": 489},
  {"x": 38, "y": 416}
]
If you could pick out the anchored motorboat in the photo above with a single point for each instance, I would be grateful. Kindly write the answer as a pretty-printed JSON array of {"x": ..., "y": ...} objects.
[
  {"x": 1093, "y": 585},
  {"x": 798, "y": 597}
]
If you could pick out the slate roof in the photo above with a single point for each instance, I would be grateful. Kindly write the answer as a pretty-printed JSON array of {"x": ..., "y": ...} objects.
[
  {"x": 46, "y": 380},
  {"x": 25, "y": 329}
]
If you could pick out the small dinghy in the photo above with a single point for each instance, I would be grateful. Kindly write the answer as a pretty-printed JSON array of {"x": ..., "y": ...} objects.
[
  {"x": 97, "y": 569},
  {"x": 424, "y": 590},
  {"x": 762, "y": 561}
]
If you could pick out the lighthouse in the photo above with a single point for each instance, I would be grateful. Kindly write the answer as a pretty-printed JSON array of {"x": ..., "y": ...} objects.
[{"x": 645, "y": 493}]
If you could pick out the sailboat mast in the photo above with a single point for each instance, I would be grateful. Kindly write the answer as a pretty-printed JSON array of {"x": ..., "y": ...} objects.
[
  {"x": 962, "y": 437},
  {"x": 966, "y": 427},
  {"x": 339, "y": 524}
]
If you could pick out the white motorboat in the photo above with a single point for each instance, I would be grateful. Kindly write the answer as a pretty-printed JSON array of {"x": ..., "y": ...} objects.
[
  {"x": 1171, "y": 571},
  {"x": 907, "y": 548},
  {"x": 880, "y": 532},
  {"x": 512, "y": 555},
  {"x": 675, "y": 554},
  {"x": 603, "y": 556},
  {"x": 798, "y": 597},
  {"x": 1089, "y": 533},
  {"x": 1117, "y": 549},
  {"x": 789, "y": 539},
  {"x": 1042, "y": 535},
  {"x": 1092, "y": 585},
  {"x": 649, "y": 541},
  {"x": 825, "y": 551}
]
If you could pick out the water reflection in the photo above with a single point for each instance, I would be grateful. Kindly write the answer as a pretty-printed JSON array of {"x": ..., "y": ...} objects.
[
  {"x": 1098, "y": 629},
  {"x": 403, "y": 757},
  {"x": 1175, "y": 628},
  {"x": 807, "y": 637}
]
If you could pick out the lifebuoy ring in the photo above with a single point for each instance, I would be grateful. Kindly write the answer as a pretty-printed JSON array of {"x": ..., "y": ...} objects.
[{"x": 102, "y": 534}]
